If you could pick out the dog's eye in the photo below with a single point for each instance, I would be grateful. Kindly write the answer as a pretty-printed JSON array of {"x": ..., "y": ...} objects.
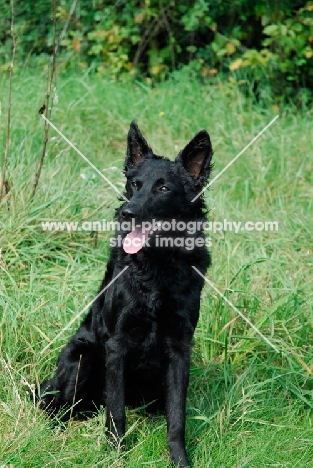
[
  {"x": 134, "y": 184},
  {"x": 163, "y": 188}
]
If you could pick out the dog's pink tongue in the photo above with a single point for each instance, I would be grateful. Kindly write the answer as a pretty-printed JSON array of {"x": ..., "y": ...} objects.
[{"x": 135, "y": 240}]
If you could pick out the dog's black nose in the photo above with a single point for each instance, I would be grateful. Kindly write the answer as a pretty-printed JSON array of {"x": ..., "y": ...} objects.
[{"x": 129, "y": 213}]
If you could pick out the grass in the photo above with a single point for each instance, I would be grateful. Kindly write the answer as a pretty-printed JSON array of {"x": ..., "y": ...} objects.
[{"x": 248, "y": 406}]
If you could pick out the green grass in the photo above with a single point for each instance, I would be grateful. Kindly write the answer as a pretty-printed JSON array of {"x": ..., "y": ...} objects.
[{"x": 248, "y": 406}]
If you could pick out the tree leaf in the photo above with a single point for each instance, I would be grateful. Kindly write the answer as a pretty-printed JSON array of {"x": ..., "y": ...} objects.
[{"x": 235, "y": 65}]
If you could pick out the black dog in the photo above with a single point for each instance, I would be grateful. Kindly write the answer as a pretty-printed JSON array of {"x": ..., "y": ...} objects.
[{"x": 134, "y": 345}]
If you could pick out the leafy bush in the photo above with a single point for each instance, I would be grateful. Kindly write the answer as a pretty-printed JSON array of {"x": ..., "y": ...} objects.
[{"x": 255, "y": 40}]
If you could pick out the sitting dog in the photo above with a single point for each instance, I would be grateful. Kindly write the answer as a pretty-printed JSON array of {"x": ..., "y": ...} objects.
[{"x": 134, "y": 345}]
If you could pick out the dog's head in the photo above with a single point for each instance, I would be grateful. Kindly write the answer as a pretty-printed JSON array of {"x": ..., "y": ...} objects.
[{"x": 159, "y": 189}]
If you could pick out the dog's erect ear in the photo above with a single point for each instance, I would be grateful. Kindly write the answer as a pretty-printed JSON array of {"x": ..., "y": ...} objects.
[
  {"x": 137, "y": 147},
  {"x": 196, "y": 157}
]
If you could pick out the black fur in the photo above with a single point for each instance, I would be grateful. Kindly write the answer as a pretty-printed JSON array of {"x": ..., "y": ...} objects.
[{"x": 134, "y": 345}]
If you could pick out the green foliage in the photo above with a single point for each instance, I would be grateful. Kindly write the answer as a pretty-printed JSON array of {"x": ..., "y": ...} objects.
[
  {"x": 286, "y": 50},
  {"x": 270, "y": 43}
]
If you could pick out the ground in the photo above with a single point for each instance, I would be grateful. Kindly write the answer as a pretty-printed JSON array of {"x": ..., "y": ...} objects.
[{"x": 248, "y": 405}]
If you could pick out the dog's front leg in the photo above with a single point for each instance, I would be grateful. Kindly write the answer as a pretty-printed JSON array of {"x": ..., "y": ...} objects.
[
  {"x": 115, "y": 392},
  {"x": 176, "y": 392}
]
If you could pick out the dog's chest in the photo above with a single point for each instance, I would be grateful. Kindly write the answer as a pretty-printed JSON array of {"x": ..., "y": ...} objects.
[
  {"x": 142, "y": 332},
  {"x": 142, "y": 319}
]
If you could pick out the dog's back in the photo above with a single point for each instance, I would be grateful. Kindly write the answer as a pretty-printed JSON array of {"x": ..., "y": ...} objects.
[{"x": 134, "y": 345}]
